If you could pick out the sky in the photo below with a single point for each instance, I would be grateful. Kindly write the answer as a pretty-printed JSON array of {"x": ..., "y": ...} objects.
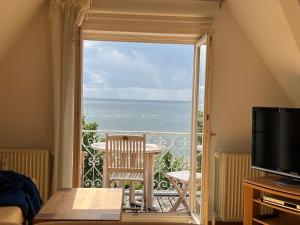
[{"x": 142, "y": 71}]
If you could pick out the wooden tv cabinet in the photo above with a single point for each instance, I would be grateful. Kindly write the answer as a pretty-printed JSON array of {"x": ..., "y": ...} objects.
[{"x": 255, "y": 188}]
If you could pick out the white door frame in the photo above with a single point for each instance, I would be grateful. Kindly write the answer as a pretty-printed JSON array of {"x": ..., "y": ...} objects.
[{"x": 205, "y": 40}]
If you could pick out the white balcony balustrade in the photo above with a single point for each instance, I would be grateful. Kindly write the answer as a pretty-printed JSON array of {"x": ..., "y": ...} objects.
[{"x": 174, "y": 157}]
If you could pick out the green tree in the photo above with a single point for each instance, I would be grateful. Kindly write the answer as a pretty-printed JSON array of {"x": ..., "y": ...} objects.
[
  {"x": 199, "y": 127},
  {"x": 199, "y": 139}
]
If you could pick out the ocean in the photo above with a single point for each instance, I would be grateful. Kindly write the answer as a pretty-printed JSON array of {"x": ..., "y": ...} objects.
[{"x": 138, "y": 115}]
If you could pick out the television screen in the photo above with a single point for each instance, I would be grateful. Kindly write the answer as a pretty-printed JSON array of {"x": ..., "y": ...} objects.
[{"x": 276, "y": 140}]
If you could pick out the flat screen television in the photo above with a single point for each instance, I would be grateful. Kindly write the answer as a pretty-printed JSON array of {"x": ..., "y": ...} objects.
[{"x": 276, "y": 141}]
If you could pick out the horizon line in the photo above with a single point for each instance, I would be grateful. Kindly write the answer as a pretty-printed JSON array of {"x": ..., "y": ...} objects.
[{"x": 139, "y": 99}]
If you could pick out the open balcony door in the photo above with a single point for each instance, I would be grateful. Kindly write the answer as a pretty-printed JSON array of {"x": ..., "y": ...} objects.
[{"x": 201, "y": 102}]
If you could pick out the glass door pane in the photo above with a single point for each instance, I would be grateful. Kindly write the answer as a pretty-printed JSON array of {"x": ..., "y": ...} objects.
[
  {"x": 200, "y": 123},
  {"x": 198, "y": 130}
]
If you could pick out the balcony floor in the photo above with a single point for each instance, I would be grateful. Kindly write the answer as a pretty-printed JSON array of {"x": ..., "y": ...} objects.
[{"x": 163, "y": 202}]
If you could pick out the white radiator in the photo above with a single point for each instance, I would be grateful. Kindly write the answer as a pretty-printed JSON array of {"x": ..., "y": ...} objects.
[
  {"x": 232, "y": 169},
  {"x": 33, "y": 163}
]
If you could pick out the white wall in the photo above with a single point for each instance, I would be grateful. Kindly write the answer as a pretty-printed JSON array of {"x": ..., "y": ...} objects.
[
  {"x": 240, "y": 80},
  {"x": 26, "y": 89},
  {"x": 16, "y": 15},
  {"x": 273, "y": 26}
]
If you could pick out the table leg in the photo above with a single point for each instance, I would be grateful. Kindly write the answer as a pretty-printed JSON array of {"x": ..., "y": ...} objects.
[
  {"x": 181, "y": 197},
  {"x": 105, "y": 178},
  {"x": 132, "y": 193},
  {"x": 122, "y": 185},
  {"x": 150, "y": 182}
]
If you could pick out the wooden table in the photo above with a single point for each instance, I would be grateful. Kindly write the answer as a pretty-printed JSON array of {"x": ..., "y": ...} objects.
[
  {"x": 151, "y": 151},
  {"x": 180, "y": 181},
  {"x": 82, "y": 204}
]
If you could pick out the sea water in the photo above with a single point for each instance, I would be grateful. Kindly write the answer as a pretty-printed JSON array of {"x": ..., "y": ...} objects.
[{"x": 139, "y": 115}]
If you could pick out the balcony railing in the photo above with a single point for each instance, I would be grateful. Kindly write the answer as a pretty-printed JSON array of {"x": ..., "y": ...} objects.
[{"x": 175, "y": 157}]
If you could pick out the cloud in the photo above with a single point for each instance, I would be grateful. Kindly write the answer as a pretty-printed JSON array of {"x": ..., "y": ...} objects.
[
  {"x": 97, "y": 79},
  {"x": 137, "y": 71}
]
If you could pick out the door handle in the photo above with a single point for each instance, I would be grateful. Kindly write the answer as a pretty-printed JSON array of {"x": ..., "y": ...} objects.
[{"x": 212, "y": 134}]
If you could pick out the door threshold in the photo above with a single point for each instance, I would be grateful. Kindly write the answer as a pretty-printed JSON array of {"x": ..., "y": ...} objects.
[{"x": 157, "y": 217}]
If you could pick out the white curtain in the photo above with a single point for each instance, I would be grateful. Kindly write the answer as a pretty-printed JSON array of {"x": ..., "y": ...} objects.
[{"x": 65, "y": 17}]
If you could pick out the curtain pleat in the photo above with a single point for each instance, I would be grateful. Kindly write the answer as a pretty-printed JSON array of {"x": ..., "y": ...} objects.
[{"x": 65, "y": 17}]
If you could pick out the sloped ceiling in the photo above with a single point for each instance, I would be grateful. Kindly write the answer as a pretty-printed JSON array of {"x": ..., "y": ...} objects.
[
  {"x": 15, "y": 15},
  {"x": 273, "y": 26}
]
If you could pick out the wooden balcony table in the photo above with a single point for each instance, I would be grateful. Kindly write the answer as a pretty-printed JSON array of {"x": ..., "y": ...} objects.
[
  {"x": 151, "y": 151},
  {"x": 182, "y": 179}
]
